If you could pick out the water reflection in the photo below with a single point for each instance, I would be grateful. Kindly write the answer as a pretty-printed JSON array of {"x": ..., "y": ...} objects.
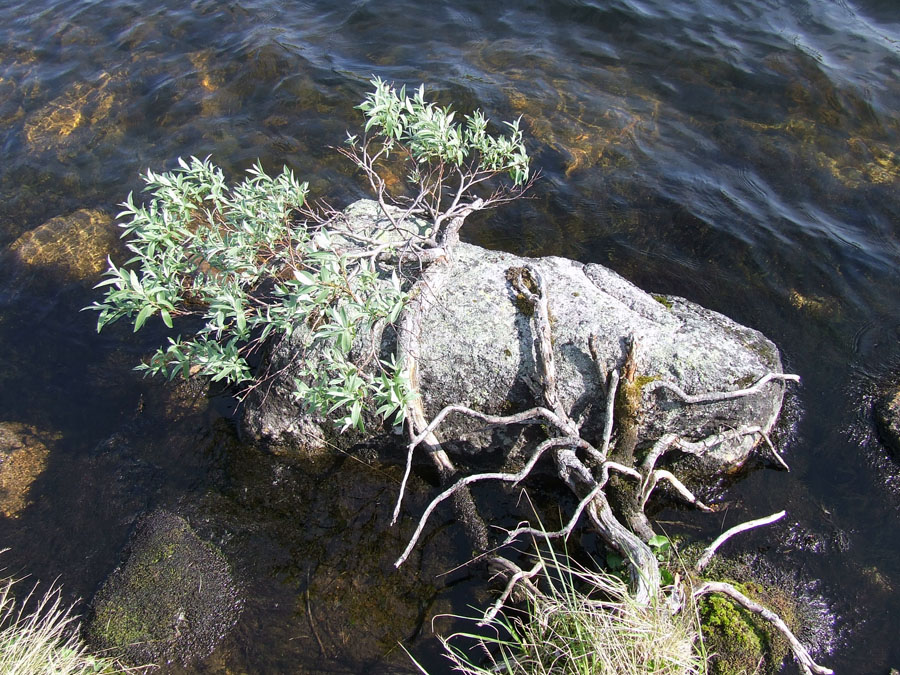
[{"x": 742, "y": 154}]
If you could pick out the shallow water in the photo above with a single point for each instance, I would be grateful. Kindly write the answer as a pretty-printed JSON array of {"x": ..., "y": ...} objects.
[{"x": 740, "y": 154}]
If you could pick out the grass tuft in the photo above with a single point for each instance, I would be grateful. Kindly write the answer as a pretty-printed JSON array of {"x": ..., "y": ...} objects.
[
  {"x": 582, "y": 621},
  {"x": 44, "y": 638}
]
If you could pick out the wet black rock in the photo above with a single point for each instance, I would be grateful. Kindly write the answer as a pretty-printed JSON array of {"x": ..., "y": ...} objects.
[
  {"x": 172, "y": 600},
  {"x": 887, "y": 416}
]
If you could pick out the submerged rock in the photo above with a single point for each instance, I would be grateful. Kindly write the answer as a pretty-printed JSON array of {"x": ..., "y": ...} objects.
[
  {"x": 476, "y": 349},
  {"x": 23, "y": 457},
  {"x": 76, "y": 245},
  {"x": 173, "y": 599},
  {"x": 887, "y": 416},
  {"x": 86, "y": 114}
]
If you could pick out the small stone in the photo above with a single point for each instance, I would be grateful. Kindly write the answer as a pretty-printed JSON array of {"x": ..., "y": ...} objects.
[
  {"x": 76, "y": 245},
  {"x": 887, "y": 417},
  {"x": 82, "y": 116}
]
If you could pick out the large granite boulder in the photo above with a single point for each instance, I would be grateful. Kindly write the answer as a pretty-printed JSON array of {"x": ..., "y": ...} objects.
[{"x": 477, "y": 349}]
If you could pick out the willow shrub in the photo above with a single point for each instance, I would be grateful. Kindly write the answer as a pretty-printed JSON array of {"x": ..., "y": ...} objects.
[{"x": 254, "y": 261}]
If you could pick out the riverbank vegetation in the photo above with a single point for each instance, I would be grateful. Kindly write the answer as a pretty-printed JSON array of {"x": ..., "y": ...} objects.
[{"x": 576, "y": 620}]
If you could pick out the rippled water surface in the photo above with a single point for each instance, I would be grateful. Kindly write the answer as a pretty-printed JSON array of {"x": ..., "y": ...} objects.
[{"x": 740, "y": 154}]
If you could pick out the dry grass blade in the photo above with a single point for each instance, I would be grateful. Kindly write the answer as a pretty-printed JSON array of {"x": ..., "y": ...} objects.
[{"x": 44, "y": 638}]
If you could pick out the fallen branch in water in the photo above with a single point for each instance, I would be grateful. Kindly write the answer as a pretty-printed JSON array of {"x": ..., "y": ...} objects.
[{"x": 729, "y": 533}]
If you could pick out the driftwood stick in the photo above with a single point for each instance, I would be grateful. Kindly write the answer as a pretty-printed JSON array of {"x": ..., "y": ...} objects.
[
  {"x": 714, "y": 396},
  {"x": 518, "y": 576},
  {"x": 519, "y": 418},
  {"x": 567, "y": 530},
  {"x": 775, "y": 453},
  {"x": 697, "y": 448},
  {"x": 611, "y": 388},
  {"x": 727, "y": 534},
  {"x": 474, "y": 478},
  {"x": 800, "y": 652},
  {"x": 644, "y": 566},
  {"x": 529, "y": 283}
]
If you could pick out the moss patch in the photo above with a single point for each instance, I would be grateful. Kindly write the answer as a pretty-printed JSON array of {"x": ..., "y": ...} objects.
[
  {"x": 173, "y": 599},
  {"x": 739, "y": 641}
]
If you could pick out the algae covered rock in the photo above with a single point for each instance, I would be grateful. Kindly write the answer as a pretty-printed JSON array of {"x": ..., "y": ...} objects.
[
  {"x": 738, "y": 641},
  {"x": 476, "y": 349},
  {"x": 173, "y": 599}
]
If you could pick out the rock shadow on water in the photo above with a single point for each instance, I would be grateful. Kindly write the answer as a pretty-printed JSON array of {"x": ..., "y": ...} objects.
[{"x": 313, "y": 543}]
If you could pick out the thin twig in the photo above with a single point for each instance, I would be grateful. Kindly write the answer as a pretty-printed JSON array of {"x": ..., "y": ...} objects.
[
  {"x": 312, "y": 623},
  {"x": 697, "y": 448},
  {"x": 564, "y": 532},
  {"x": 517, "y": 577},
  {"x": 774, "y": 452},
  {"x": 727, "y": 534},
  {"x": 468, "y": 480},
  {"x": 608, "y": 414},
  {"x": 661, "y": 474},
  {"x": 519, "y": 418}
]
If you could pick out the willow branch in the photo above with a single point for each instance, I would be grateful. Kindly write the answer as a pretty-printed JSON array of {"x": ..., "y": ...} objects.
[
  {"x": 800, "y": 652},
  {"x": 727, "y": 534}
]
